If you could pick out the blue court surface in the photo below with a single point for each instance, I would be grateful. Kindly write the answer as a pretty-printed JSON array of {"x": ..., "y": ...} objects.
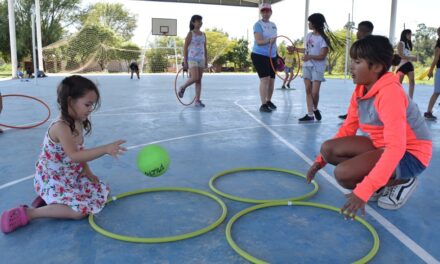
[{"x": 228, "y": 133}]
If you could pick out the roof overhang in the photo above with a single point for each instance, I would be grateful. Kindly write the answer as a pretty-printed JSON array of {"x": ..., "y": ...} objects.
[{"x": 245, "y": 3}]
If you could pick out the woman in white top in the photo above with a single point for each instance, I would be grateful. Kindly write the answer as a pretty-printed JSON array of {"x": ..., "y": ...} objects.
[{"x": 405, "y": 66}]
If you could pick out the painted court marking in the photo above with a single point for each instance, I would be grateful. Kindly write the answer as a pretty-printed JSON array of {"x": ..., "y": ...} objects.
[{"x": 397, "y": 233}]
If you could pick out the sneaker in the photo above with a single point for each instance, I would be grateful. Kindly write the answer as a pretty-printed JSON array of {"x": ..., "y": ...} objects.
[
  {"x": 288, "y": 85},
  {"x": 397, "y": 195},
  {"x": 181, "y": 92},
  {"x": 271, "y": 105},
  {"x": 317, "y": 114},
  {"x": 377, "y": 194},
  {"x": 265, "y": 108},
  {"x": 306, "y": 118},
  {"x": 429, "y": 116},
  {"x": 199, "y": 104},
  {"x": 343, "y": 116}
]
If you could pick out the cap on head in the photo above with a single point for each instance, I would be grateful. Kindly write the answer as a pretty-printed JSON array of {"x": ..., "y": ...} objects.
[{"x": 265, "y": 6}]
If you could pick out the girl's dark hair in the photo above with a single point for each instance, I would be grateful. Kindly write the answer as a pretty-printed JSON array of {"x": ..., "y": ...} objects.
[
  {"x": 408, "y": 43},
  {"x": 72, "y": 88},
  {"x": 194, "y": 18},
  {"x": 320, "y": 25},
  {"x": 375, "y": 50}
]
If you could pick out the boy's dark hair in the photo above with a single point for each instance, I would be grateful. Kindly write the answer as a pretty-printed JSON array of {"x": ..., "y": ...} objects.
[
  {"x": 75, "y": 87},
  {"x": 367, "y": 25},
  {"x": 375, "y": 50},
  {"x": 406, "y": 41},
  {"x": 319, "y": 23},
  {"x": 194, "y": 18}
]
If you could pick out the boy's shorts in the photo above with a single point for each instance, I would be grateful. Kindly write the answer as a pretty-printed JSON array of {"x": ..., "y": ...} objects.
[{"x": 408, "y": 167}]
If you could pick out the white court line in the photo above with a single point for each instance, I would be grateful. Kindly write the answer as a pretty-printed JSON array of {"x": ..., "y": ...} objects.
[
  {"x": 171, "y": 139},
  {"x": 397, "y": 233}
]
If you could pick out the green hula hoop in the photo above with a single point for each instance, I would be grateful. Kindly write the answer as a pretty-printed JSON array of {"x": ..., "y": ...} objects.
[
  {"x": 162, "y": 239},
  {"x": 256, "y": 201},
  {"x": 253, "y": 259}
]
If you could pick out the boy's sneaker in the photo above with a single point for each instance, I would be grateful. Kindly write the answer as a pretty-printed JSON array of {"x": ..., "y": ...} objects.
[
  {"x": 397, "y": 195},
  {"x": 199, "y": 104},
  {"x": 265, "y": 108},
  {"x": 377, "y": 194},
  {"x": 271, "y": 105},
  {"x": 342, "y": 116},
  {"x": 283, "y": 87},
  {"x": 306, "y": 118},
  {"x": 317, "y": 114},
  {"x": 429, "y": 116},
  {"x": 288, "y": 85}
]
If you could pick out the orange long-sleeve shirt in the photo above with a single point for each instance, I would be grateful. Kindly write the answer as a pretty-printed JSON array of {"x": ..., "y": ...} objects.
[{"x": 393, "y": 122}]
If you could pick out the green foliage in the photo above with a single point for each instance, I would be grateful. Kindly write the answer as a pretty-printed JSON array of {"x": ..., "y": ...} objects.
[
  {"x": 239, "y": 55},
  {"x": 424, "y": 42},
  {"x": 113, "y": 16},
  {"x": 217, "y": 45},
  {"x": 56, "y": 15}
]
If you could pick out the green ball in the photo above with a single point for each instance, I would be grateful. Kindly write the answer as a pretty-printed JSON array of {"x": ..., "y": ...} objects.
[{"x": 153, "y": 160}]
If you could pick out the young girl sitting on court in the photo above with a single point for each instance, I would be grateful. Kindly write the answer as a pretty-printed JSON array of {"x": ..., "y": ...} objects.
[
  {"x": 195, "y": 57},
  {"x": 64, "y": 183},
  {"x": 384, "y": 162}
]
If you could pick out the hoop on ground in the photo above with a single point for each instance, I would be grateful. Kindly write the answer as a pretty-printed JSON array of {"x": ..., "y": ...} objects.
[
  {"x": 35, "y": 99},
  {"x": 189, "y": 96},
  {"x": 297, "y": 64},
  {"x": 253, "y": 259},
  {"x": 162, "y": 239},
  {"x": 257, "y": 201}
]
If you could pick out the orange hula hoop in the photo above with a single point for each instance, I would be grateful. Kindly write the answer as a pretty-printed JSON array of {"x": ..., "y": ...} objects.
[
  {"x": 297, "y": 58},
  {"x": 177, "y": 92},
  {"x": 33, "y": 98}
]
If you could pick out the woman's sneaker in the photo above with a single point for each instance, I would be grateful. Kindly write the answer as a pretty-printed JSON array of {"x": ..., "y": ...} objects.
[
  {"x": 317, "y": 114},
  {"x": 265, "y": 108},
  {"x": 397, "y": 195},
  {"x": 271, "y": 105},
  {"x": 306, "y": 118}
]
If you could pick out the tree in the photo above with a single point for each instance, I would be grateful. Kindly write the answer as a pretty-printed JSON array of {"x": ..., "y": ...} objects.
[
  {"x": 424, "y": 42},
  {"x": 239, "y": 55},
  {"x": 56, "y": 15},
  {"x": 338, "y": 54},
  {"x": 113, "y": 16},
  {"x": 217, "y": 44}
]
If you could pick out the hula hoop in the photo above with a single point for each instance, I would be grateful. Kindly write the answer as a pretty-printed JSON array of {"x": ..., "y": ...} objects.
[
  {"x": 161, "y": 239},
  {"x": 33, "y": 98},
  {"x": 297, "y": 55},
  {"x": 257, "y": 201},
  {"x": 253, "y": 259},
  {"x": 177, "y": 92}
]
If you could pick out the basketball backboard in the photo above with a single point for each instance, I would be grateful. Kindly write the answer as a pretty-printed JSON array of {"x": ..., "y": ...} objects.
[{"x": 164, "y": 26}]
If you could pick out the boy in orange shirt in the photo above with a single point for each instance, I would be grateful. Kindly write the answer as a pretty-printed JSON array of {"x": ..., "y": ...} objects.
[{"x": 397, "y": 146}]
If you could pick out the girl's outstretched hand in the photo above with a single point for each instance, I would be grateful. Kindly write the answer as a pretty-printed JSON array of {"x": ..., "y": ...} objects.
[
  {"x": 352, "y": 205},
  {"x": 312, "y": 172},
  {"x": 115, "y": 148}
]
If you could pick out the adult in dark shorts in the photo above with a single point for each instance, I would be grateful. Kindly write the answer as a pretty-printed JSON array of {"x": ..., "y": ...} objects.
[
  {"x": 134, "y": 68},
  {"x": 265, "y": 32}
]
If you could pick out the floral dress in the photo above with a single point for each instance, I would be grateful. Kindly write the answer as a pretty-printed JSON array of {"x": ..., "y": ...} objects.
[{"x": 59, "y": 180}]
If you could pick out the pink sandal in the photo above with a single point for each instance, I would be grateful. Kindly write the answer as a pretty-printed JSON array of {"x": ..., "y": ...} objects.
[
  {"x": 38, "y": 202},
  {"x": 14, "y": 218}
]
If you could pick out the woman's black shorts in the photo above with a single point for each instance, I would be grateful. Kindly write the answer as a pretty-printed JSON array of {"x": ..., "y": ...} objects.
[{"x": 262, "y": 65}]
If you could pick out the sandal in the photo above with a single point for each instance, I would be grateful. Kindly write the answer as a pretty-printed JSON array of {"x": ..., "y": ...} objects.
[
  {"x": 13, "y": 219},
  {"x": 38, "y": 202}
]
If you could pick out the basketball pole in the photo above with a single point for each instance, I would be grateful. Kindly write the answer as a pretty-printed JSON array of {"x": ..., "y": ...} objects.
[
  {"x": 12, "y": 37},
  {"x": 38, "y": 29},
  {"x": 33, "y": 46}
]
